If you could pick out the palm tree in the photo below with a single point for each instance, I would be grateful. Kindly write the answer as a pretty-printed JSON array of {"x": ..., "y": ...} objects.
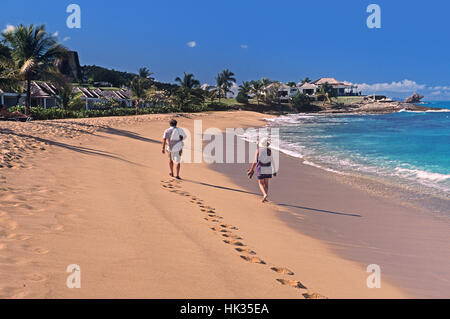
[
  {"x": 306, "y": 80},
  {"x": 145, "y": 73},
  {"x": 8, "y": 79},
  {"x": 245, "y": 88},
  {"x": 188, "y": 81},
  {"x": 257, "y": 88},
  {"x": 189, "y": 93},
  {"x": 266, "y": 82},
  {"x": 155, "y": 96},
  {"x": 139, "y": 86},
  {"x": 34, "y": 53},
  {"x": 291, "y": 84},
  {"x": 225, "y": 81},
  {"x": 65, "y": 93}
]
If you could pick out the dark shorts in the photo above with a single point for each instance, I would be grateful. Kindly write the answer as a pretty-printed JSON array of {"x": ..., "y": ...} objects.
[{"x": 263, "y": 176}]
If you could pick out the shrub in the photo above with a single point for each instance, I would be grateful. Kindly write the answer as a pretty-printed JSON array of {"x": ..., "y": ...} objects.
[
  {"x": 39, "y": 113},
  {"x": 242, "y": 98},
  {"x": 302, "y": 103}
]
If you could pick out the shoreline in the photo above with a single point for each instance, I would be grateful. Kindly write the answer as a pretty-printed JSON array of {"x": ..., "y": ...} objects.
[
  {"x": 367, "y": 244},
  {"x": 103, "y": 198},
  {"x": 418, "y": 192}
]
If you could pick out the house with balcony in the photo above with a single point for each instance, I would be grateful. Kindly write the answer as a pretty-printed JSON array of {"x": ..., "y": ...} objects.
[
  {"x": 339, "y": 88},
  {"x": 307, "y": 88}
]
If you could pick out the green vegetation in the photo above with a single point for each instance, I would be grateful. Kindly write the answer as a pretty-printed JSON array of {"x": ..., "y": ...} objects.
[
  {"x": 302, "y": 103},
  {"x": 39, "y": 113},
  {"x": 33, "y": 53},
  {"x": 99, "y": 74},
  {"x": 30, "y": 54},
  {"x": 348, "y": 99},
  {"x": 224, "y": 82},
  {"x": 189, "y": 95}
]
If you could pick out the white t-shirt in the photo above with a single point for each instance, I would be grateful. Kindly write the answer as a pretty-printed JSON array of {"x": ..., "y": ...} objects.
[{"x": 174, "y": 142}]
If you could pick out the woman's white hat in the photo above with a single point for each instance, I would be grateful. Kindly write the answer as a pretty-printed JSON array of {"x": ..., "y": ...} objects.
[{"x": 264, "y": 142}]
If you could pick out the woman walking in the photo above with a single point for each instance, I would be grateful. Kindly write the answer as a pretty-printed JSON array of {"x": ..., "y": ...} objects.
[{"x": 263, "y": 166}]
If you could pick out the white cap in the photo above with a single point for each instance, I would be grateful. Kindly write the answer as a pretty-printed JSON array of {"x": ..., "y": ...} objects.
[{"x": 264, "y": 142}]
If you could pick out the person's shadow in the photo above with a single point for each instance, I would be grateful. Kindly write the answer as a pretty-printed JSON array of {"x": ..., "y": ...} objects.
[{"x": 316, "y": 210}]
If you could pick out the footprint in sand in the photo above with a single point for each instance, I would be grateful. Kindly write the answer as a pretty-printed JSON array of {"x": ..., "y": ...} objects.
[
  {"x": 282, "y": 270},
  {"x": 229, "y": 227},
  {"x": 36, "y": 277},
  {"x": 254, "y": 260},
  {"x": 8, "y": 224},
  {"x": 217, "y": 229},
  {"x": 233, "y": 242},
  {"x": 212, "y": 220},
  {"x": 40, "y": 251},
  {"x": 313, "y": 295},
  {"x": 14, "y": 293},
  {"x": 57, "y": 227},
  {"x": 215, "y": 216},
  {"x": 23, "y": 237},
  {"x": 13, "y": 261},
  {"x": 245, "y": 250},
  {"x": 291, "y": 283},
  {"x": 235, "y": 237}
]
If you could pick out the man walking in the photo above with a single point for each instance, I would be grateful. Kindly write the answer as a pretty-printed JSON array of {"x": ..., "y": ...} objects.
[{"x": 173, "y": 138}]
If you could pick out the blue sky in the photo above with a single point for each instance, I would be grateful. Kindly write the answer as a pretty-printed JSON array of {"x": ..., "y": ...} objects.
[{"x": 283, "y": 40}]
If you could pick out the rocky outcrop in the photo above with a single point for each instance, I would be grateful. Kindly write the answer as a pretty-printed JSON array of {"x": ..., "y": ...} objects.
[
  {"x": 70, "y": 66},
  {"x": 415, "y": 98}
]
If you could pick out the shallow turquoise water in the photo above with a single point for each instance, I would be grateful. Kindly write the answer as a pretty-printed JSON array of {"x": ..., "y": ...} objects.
[{"x": 410, "y": 147}]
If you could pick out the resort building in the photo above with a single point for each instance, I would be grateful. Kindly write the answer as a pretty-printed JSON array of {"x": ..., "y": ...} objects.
[
  {"x": 307, "y": 88},
  {"x": 45, "y": 95},
  {"x": 340, "y": 88},
  {"x": 284, "y": 92},
  {"x": 11, "y": 98},
  {"x": 94, "y": 97},
  {"x": 42, "y": 95}
]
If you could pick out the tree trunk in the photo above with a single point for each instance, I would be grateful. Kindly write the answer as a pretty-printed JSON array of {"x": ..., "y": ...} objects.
[{"x": 28, "y": 100}]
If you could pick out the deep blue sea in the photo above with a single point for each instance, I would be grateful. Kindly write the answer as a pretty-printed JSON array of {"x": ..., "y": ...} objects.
[{"x": 411, "y": 148}]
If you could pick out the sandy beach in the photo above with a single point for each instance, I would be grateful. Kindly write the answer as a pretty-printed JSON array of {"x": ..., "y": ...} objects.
[{"x": 96, "y": 193}]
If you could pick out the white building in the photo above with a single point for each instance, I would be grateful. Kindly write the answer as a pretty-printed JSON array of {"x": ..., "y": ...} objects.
[
  {"x": 340, "y": 88},
  {"x": 11, "y": 99},
  {"x": 307, "y": 88},
  {"x": 284, "y": 92}
]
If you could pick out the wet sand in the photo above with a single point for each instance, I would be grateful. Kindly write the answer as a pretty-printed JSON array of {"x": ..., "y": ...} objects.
[{"x": 411, "y": 245}]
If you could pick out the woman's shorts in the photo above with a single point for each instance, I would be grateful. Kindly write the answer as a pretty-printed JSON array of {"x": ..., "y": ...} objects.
[{"x": 263, "y": 176}]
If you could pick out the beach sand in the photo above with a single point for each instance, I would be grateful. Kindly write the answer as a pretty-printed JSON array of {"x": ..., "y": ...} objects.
[{"x": 96, "y": 193}]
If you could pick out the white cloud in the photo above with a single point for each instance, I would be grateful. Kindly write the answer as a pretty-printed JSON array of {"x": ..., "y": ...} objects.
[
  {"x": 404, "y": 88},
  {"x": 397, "y": 87},
  {"x": 191, "y": 44},
  {"x": 8, "y": 28},
  {"x": 444, "y": 88},
  {"x": 244, "y": 46},
  {"x": 66, "y": 39},
  {"x": 55, "y": 34},
  {"x": 436, "y": 93}
]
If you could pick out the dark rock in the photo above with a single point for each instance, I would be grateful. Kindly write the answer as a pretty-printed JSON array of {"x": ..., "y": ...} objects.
[{"x": 415, "y": 98}]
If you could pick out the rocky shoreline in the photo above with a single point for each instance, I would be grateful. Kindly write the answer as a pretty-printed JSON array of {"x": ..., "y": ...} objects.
[{"x": 376, "y": 107}]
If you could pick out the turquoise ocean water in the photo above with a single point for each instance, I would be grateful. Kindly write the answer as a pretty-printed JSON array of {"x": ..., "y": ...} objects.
[{"x": 409, "y": 148}]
